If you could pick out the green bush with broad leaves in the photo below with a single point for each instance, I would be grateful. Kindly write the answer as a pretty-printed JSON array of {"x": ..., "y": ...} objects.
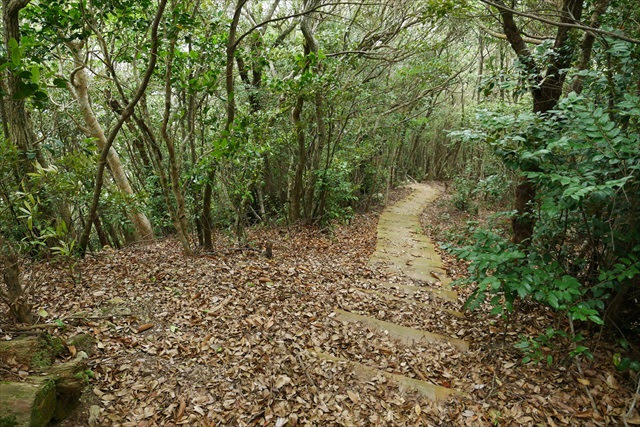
[{"x": 583, "y": 259}]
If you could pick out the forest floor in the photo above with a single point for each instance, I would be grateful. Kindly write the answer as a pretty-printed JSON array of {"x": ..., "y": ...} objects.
[{"x": 235, "y": 338}]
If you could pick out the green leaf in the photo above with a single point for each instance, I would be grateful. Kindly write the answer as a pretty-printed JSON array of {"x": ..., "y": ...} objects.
[
  {"x": 60, "y": 83},
  {"x": 553, "y": 301},
  {"x": 35, "y": 74}
]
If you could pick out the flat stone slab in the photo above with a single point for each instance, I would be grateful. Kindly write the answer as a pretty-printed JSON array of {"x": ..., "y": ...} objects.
[
  {"x": 394, "y": 298},
  {"x": 401, "y": 333},
  {"x": 445, "y": 294},
  {"x": 401, "y": 246},
  {"x": 367, "y": 373}
]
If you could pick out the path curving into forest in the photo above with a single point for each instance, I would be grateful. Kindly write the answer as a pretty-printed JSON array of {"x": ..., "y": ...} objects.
[{"x": 405, "y": 252}]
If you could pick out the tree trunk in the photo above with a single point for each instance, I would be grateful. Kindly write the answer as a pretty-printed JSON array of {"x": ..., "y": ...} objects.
[
  {"x": 297, "y": 190},
  {"x": 128, "y": 111},
  {"x": 546, "y": 91},
  {"x": 100, "y": 232},
  {"x": 14, "y": 296},
  {"x": 180, "y": 218},
  {"x": 587, "y": 43},
  {"x": 205, "y": 217},
  {"x": 115, "y": 239},
  {"x": 19, "y": 123},
  {"x": 141, "y": 224}
]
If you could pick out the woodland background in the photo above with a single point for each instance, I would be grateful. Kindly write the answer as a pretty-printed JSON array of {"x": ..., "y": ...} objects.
[{"x": 125, "y": 122}]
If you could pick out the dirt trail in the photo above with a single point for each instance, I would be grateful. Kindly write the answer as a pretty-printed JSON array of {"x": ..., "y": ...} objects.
[
  {"x": 327, "y": 332},
  {"x": 401, "y": 244},
  {"x": 405, "y": 251},
  {"x": 320, "y": 334}
]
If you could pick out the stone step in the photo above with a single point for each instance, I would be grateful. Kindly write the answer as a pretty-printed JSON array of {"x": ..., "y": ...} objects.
[
  {"x": 445, "y": 294},
  {"x": 424, "y": 276},
  {"x": 366, "y": 373},
  {"x": 403, "y": 259},
  {"x": 401, "y": 333},
  {"x": 428, "y": 306}
]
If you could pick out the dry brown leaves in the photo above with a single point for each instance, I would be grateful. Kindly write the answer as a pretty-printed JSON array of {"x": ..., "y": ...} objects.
[{"x": 216, "y": 340}]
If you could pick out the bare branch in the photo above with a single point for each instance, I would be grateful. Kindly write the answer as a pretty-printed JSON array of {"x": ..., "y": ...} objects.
[
  {"x": 503, "y": 36},
  {"x": 296, "y": 15},
  {"x": 578, "y": 26}
]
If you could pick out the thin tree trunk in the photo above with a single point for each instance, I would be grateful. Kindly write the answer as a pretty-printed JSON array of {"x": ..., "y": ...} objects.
[
  {"x": 100, "y": 232},
  {"x": 115, "y": 240},
  {"x": 140, "y": 222},
  {"x": 312, "y": 46},
  {"x": 205, "y": 217},
  {"x": 128, "y": 111},
  {"x": 587, "y": 43},
  {"x": 546, "y": 91},
  {"x": 3, "y": 109},
  {"x": 296, "y": 191},
  {"x": 180, "y": 222},
  {"x": 14, "y": 296}
]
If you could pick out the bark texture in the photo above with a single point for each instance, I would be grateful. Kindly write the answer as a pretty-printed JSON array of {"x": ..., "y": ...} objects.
[
  {"x": 18, "y": 123},
  {"x": 547, "y": 85},
  {"x": 13, "y": 294}
]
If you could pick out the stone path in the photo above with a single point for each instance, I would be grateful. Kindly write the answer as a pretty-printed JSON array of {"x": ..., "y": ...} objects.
[{"x": 404, "y": 250}]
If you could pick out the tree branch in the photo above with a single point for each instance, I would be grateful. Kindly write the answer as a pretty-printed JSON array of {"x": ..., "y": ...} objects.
[
  {"x": 503, "y": 8},
  {"x": 296, "y": 15},
  {"x": 126, "y": 113},
  {"x": 503, "y": 36},
  {"x": 14, "y": 6}
]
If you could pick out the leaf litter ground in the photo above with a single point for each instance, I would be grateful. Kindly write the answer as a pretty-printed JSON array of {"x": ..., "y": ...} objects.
[{"x": 225, "y": 338}]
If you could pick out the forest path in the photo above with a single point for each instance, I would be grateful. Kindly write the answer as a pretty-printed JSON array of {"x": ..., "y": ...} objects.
[
  {"x": 404, "y": 251},
  {"x": 403, "y": 247}
]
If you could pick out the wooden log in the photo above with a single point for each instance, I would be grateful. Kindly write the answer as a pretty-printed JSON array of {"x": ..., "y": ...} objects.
[{"x": 31, "y": 403}]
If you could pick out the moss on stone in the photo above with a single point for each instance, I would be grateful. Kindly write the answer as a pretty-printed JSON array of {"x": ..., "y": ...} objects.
[
  {"x": 30, "y": 403},
  {"x": 41, "y": 359},
  {"x": 55, "y": 344},
  {"x": 44, "y": 404},
  {"x": 49, "y": 348},
  {"x": 83, "y": 342}
]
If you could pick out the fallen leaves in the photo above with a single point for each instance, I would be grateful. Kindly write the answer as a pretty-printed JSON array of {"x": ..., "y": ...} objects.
[
  {"x": 181, "y": 408},
  {"x": 229, "y": 353},
  {"x": 145, "y": 327},
  {"x": 281, "y": 381},
  {"x": 584, "y": 381}
]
